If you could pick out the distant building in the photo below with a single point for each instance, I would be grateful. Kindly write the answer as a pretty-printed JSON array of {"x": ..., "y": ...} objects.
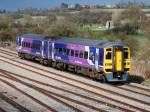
[
  {"x": 71, "y": 6},
  {"x": 110, "y": 6},
  {"x": 64, "y": 5},
  {"x": 75, "y": 6},
  {"x": 109, "y": 25}
]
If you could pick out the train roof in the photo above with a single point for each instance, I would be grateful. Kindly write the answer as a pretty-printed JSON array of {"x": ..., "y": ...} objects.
[
  {"x": 38, "y": 36},
  {"x": 73, "y": 40},
  {"x": 89, "y": 42}
]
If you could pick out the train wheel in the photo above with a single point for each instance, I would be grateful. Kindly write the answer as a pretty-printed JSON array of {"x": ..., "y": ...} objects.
[
  {"x": 19, "y": 54},
  {"x": 45, "y": 62},
  {"x": 22, "y": 56},
  {"x": 103, "y": 79},
  {"x": 41, "y": 62}
]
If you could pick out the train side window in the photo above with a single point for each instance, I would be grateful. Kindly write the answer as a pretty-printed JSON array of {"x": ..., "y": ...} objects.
[
  {"x": 76, "y": 53},
  {"x": 29, "y": 45},
  {"x": 72, "y": 52},
  {"x": 126, "y": 55},
  {"x": 64, "y": 51},
  {"x": 108, "y": 55},
  {"x": 85, "y": 55},
  {"x": 96, "y": 56},
  {"x": 33, "y": 46},
  {"x": 56, "y": 51},
  {"x": 91, "y": 57},
  {"x": 81, "y": 55},
  {"x": 68, "y": 52},
  {"x": 100, "y": 56},
  {"x": 26, "y": 44},
  {"x": 22, "y": 44},
  {"x": 60, "y": 51},
  {"x": 37, "y": 46}
]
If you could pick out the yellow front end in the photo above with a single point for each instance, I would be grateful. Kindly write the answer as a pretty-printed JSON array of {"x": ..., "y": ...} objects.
[{"x": 116, "y": 63}]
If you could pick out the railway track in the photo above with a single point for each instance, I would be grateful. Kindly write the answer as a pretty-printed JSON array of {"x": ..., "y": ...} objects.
[
  {"x": 52, "y": 86},
  {"x": 24, "y": 93},
  {"x": 14, "y": 54},
  {"x": 87, "y": 84},
  {"x": 49, "y": 94},
  {"x": 2, "y": 110},
  {"x": 14, "y": 104}
]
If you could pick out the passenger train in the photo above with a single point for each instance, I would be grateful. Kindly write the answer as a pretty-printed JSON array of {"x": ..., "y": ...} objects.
[{"x": 100, "y": 59}]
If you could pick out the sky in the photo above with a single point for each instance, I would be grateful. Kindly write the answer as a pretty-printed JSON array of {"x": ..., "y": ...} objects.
[{"x": 13, "y": 5}]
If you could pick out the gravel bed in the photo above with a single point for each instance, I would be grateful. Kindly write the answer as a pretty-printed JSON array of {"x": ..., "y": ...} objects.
[
  {"x": 21, "y": 99},
  {"x": 46, "y": 100},
  {"x": 27, "y": 73},
  {"x": 135, "y": 89},
  {"x": 7, "y": 107}
]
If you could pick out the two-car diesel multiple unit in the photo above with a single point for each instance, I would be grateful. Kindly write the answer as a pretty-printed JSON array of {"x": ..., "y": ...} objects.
[{"x": 99, "y": 59}]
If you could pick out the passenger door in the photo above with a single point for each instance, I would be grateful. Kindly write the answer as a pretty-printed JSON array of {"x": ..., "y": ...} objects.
[{"x": 118, "y": 60}]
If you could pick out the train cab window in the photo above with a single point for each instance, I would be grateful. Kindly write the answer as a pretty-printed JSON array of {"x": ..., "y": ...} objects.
[
  {"x": 85, "y": 55},
  {"x": 126, "y": 55},
  {"x": 60, "y": 50},
  {"x": 125, "y": 48},
  {"x": 81, "y": 55},
  {"x": 68, "y": 52},
  {"x": 76, "y": 53},
  {"x": 108, "y": 49},
  {"x": 72, "y": 52},
  {"x": 108, "y": 55}
]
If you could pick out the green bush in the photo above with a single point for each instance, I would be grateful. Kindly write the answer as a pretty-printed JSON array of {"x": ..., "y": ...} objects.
[
  {"x": 6, "y": 36},
  {"x": 38, "y": 30},
  {"x": 64, "y": 29}
]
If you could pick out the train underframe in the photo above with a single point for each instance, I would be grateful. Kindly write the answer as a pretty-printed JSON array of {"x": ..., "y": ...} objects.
[{"x": 89, "y": 72}]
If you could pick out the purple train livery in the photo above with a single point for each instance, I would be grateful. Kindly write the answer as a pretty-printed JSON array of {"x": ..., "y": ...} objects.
[{"x": 100, "y": 59}]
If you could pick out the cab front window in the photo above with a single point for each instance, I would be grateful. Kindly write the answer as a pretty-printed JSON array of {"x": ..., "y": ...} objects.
[
  {"x": 126, "y": 55},
  {"x": 108, "y": 55}
]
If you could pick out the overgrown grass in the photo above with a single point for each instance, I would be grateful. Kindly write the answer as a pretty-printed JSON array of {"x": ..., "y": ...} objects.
[{"x": 139, "y": 71}]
